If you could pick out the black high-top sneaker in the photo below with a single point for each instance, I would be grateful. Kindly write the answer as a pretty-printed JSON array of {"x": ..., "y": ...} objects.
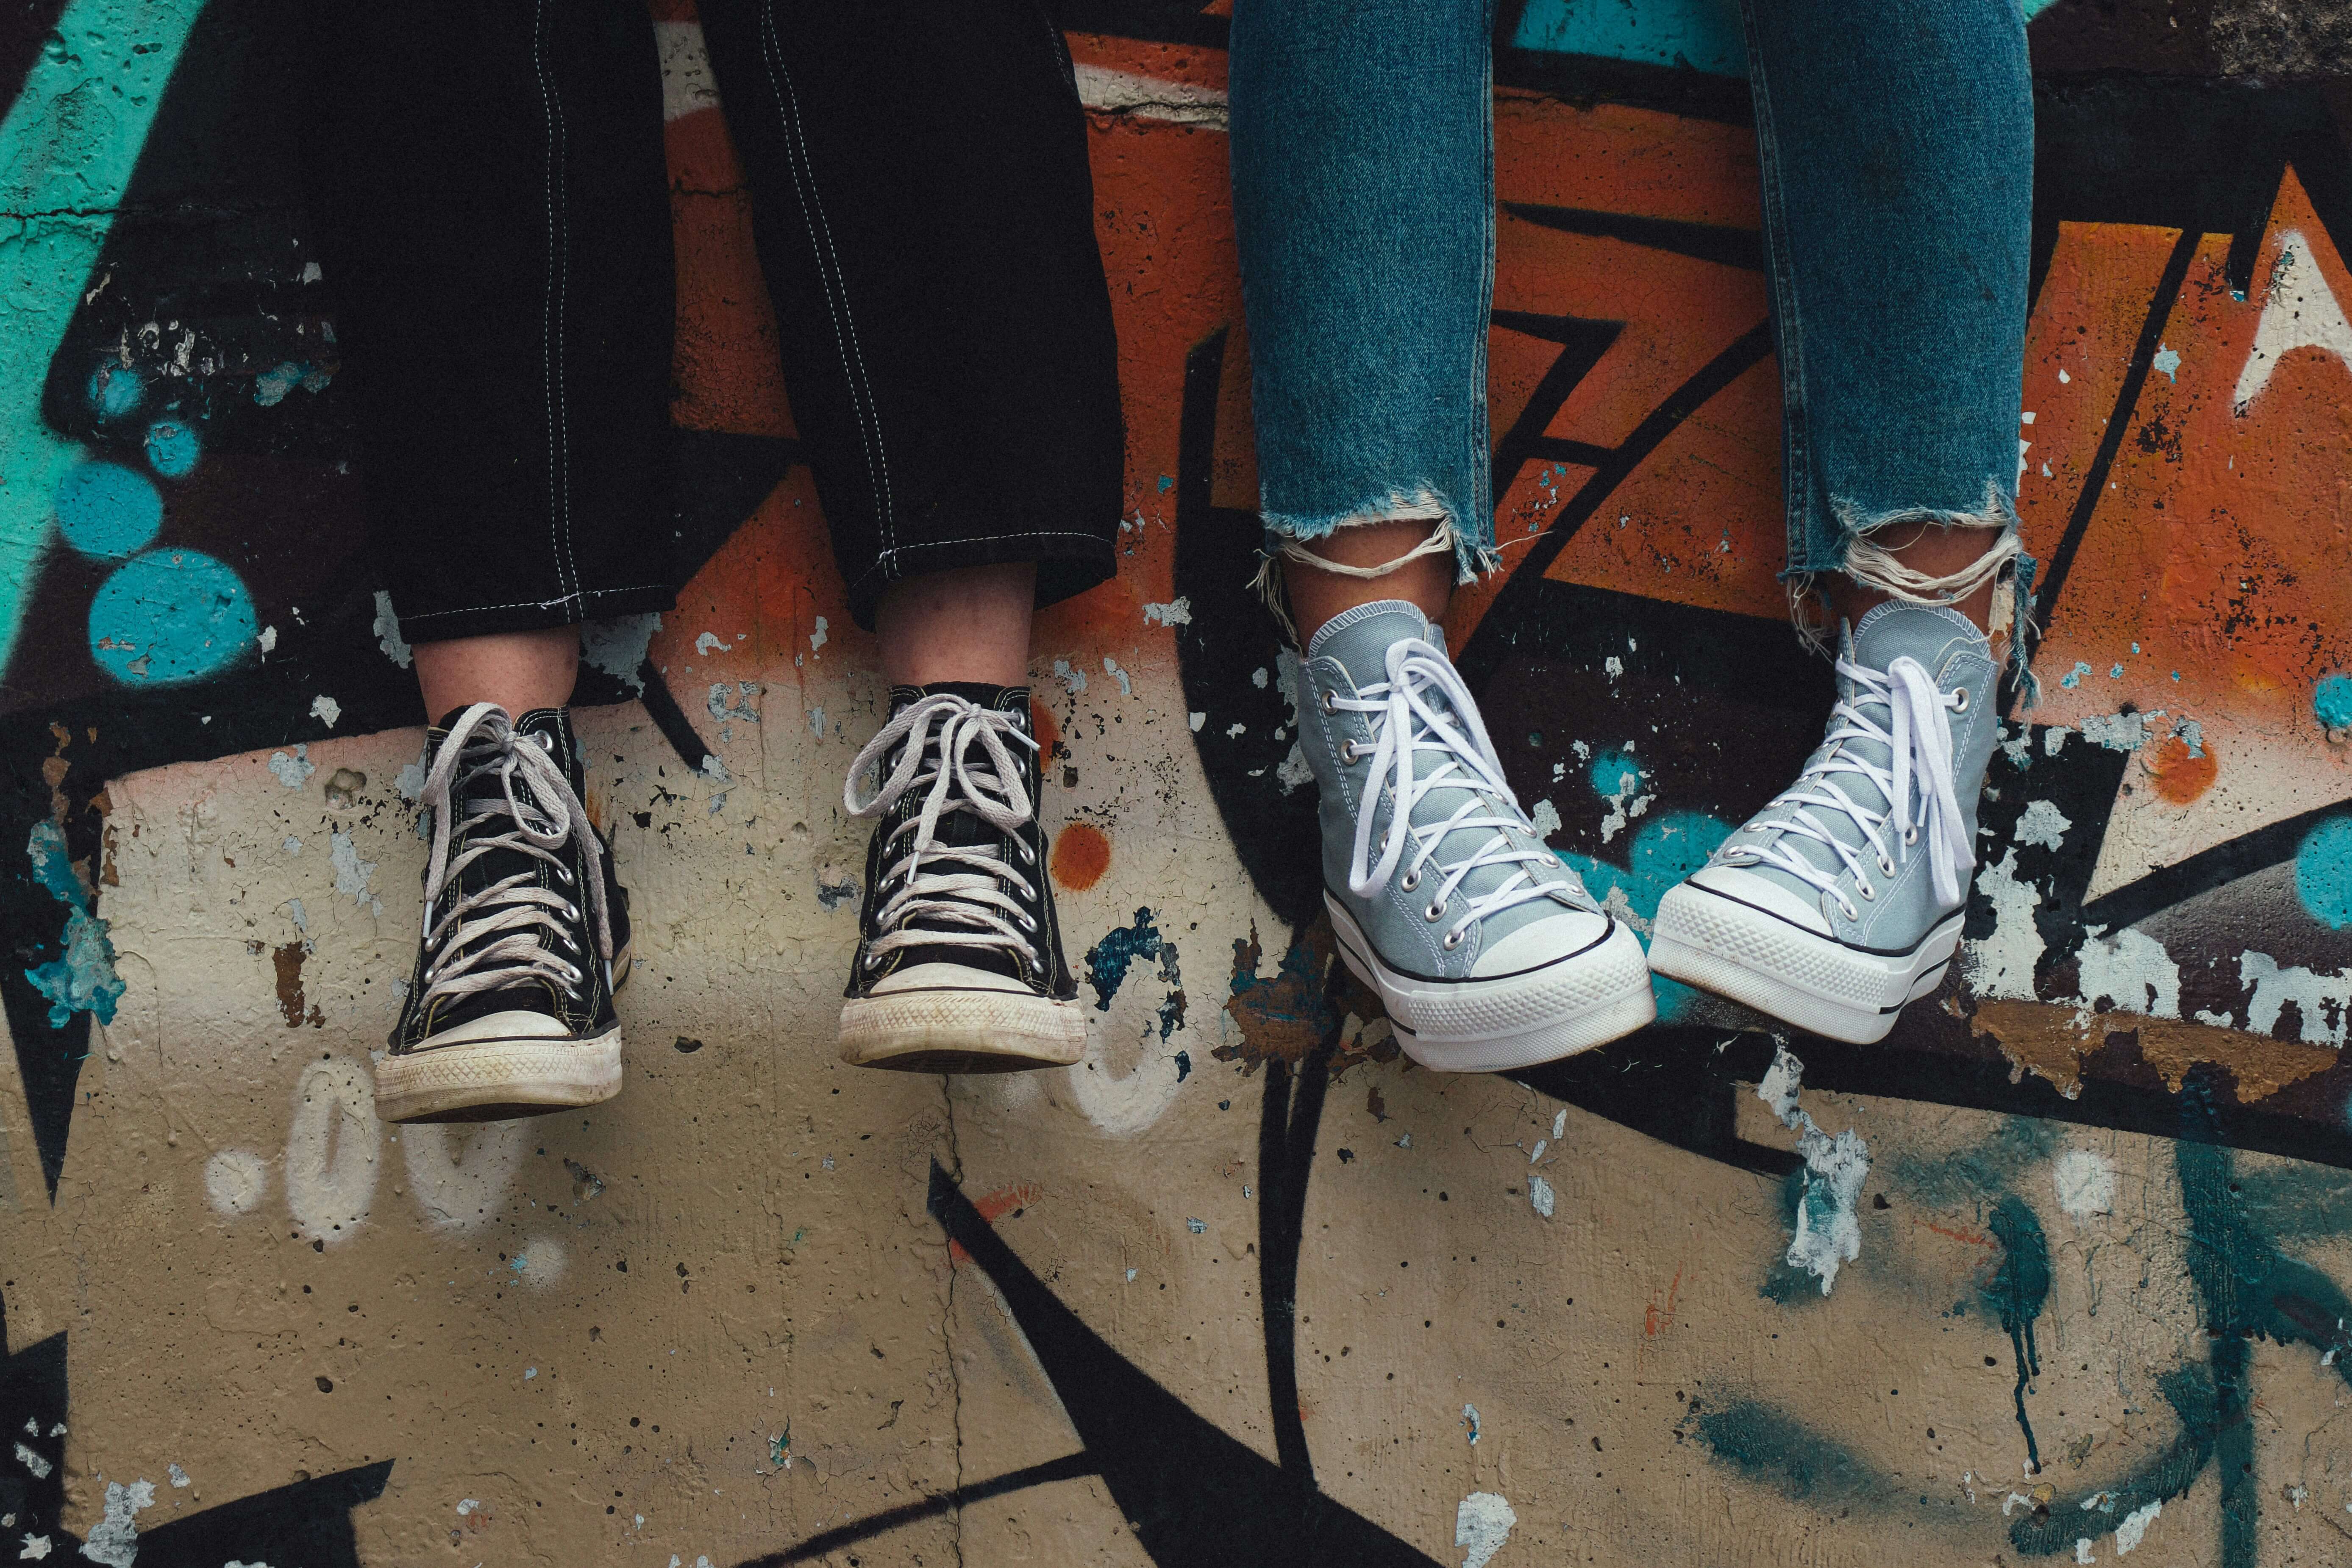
[
  {"x": 959, "y": 963},
  {"x": 526, "y": 936}
]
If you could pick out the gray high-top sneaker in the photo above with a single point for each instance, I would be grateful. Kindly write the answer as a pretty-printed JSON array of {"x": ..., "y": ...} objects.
[
  {"x": 1842, "y": 900},
  {"x": 1487, "y": 951}
]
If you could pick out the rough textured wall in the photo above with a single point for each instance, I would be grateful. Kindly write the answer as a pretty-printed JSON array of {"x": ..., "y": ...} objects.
[{"x": 2059, "y": 1271}]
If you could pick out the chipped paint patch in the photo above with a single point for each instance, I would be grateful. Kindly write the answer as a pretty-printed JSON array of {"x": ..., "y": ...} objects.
[
  {"x": 2086, "y": 1181},
  {"x": 1284, "y": 1015},
  {"x": 237, "y": 1181},
  {"x": 326, "y": 709},
  {"x": 386, "y": 630},
  {"x": 352, "y": 875},
  {"x": 618, "y": 647},
  {"x": 2001, "y": 965},
  {"x": 2131, "y": 971},
  {"x": 1177, "y": 611},
  {"x": 82, "y": 979},
  {"x": 2133, "y": 1530},
  {"x": 2043, "y": 826},
  {"x": 293, "y": 771},
  {"x": 1829, "y": 1227},
  {"x": 1481, "y": 1524},
  {"x": 1540, "y": 1196},
  {"x": 1110, "y": 958},
  {"x": 2319, "y": 1000},
  {"x": 114, "y": 1540}
]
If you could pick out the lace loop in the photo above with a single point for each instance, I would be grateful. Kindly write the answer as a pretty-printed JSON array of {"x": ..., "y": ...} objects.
[
  {"x": 1916, "y": 784},
  {"x": 495, "y": 935},
  {"x": 1423, "y": 708},
  {"x": 956, "y": 752}
]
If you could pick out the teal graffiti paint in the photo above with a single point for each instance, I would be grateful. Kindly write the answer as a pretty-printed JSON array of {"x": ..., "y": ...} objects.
[
  {"x": 1108, "y": 960},
  {"x": 1702, "y": 35},
  {"x": 170, "y": 616},
  {"x": 1616, "y": 772},
  {"x": 1664, "y": 850},
  {"x": 1777, "y": 1449},
  {"x": 107, "y": 512},
  {"x": 2331, "y": 702},
  {"x": 2020, "y": 1289},
  {"x": 67, "y": 147},
  {"x": 2323, "y": 873},
  {"x": 83, "y": 981},
  {"x": 173, "y": 449}
]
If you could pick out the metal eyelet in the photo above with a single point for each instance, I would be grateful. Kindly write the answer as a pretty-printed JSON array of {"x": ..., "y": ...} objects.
[
  {"x": 576, "y": 973},
  {"x": 1911, "y": 835},
  {"x": 1886, "y": 866},
  {"x": 1851, "y": 912},
  {"x": 1411, "y": 880},
  {"x": 1331, "y": 701},
  {"x": 570, "y": 911},
  {"x": 563, "y": 875},
  {"x": 1434, "y": 914},
  {"x": 1453, "y": 940},
  {"x": 1869, "y": 893},
  {"x": 1348, "y": 753},
  {"x": 1960, "y": 700},
  {"x": 1026, "y": 923}
]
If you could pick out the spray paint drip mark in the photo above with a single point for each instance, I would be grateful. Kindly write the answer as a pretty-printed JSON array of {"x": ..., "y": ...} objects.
[
  {"x": 115, "y": 390},
  {"x": 173, "y": 449},
  {"x": 1108, "y": 960},
  {"x": 2019, "y": 1287},
  {"x": 170, "y": 616},
  {"x": 2323, "y": 873},
  {"x": 83, "y": 979}
]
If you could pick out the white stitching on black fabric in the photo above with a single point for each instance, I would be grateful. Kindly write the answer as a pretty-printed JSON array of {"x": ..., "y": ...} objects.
[
  {"x": 551, "y": 313},
  {"x": 829, "y": 277},
  {"x": 406, "y": 616}
]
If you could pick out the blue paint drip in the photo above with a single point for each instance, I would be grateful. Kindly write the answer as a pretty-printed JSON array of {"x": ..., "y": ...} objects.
[
  {"x": 107, "y": 512},
  {"x": 2019, "y": 1287},
  {"x": 115, "y": 390},
  {"x": 1666, "y": 850},
  {"x": 83, "y": 981},
  {"x": 2323, "y": 873},
  {"x": 172, "y": 448},
  {"x": 1108, "y": 960},
  {"x": 1610, "y": 771},
  {"x": 2331, "y": 700},
  {"x": 170, "y": 616}
]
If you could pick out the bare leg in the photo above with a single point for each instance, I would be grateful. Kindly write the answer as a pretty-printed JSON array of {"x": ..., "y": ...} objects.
[
  {"x": 518, "y": 671},
  {"x": 969, "y": 625},
  {"x": 1930, "y": 548},
  {"x": 1316, "y": 596}
]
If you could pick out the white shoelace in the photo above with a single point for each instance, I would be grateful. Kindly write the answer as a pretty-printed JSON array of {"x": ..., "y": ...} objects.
[
  {"x": 961, "y": 886},
  {"x": 1920, "y": 742},
  {"x": 511, "y": 929},
  {"x": 1405, "y": 722}
]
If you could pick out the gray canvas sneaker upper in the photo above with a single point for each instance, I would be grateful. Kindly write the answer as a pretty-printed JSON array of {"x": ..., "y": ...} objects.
[
  {"x": 1874, "y": 843},
  {"x": 1380, "y": 704}
]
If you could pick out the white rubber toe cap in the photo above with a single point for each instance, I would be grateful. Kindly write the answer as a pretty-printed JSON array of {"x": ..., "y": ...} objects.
[
  {"x": 1541, "y": 942},
  {"x": 1765, "y": 894},
  {"x": 946, "y": 977}
]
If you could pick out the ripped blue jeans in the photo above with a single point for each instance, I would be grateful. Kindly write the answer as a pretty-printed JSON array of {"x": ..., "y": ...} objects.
[{"x": 1896, "y": 141}]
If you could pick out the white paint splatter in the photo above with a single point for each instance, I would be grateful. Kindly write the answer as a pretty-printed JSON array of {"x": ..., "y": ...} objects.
[
  {"x": 1070, "y": 676},
  {"x": 2134, "y": 1528},
  {"x": 2001, "y": 965},
  {"x": 2130, "y": 970},
  {"x": 540, "y": 1263},
  {"x": 1539, "y": 1196},
  {"x": 37, "y": 1463},
  {"x": 1110, "y": 668},
  {"x": 351, "y": 873},
  {"x": 1481, "y": 1525},
  {"x": 2043, "y": 826},
  {"x": 1829, "y": 1227},
  {"x": 268, "y": 639},
  {"x": 411, "y": 782},
  {"x": 330, "y": 1152},
  {"x": 326, "y": 710},
  {"x": 461, "y": 1176},
  {"x": 618, "y": 647},
  {"x": 2082, "y": 1551},
  {"x": 2086, "y": 1181},
  {"x": 1258, "y": 677},
  {"x": 1177, "y": 611},
  {"x": 467, "y": 1505},
  {"x": 301, "y": 919},
  {"x": 179, "y": 1477},
  {"x": 235, "y": 1181},
  {"x": 36, "y": 1547},
  {"x": 816, "y": 721},
  {"x": 2052, "y": 738},
  {"x": 2300, "y": 311},
  {"x": 1613, "y": 667},
  {"x": 2320, "y": 1000},
  {"x": 387, "y": 631},
  {"x": 1196, "y": 720},
  {"x": 114, "y": 1541},
  {"x": 1546, "y": 817},
  {"x": 293, "y": 771},
  {"x": 2120, "y": 732},
  {"x": 709, "y": 643},
  {"x": 1537, "y": 1152},
  {"x": 1470, "y": 1419},
  {"x": 1295, "y": 769},
  {"x": 1558, "y": 1124}
]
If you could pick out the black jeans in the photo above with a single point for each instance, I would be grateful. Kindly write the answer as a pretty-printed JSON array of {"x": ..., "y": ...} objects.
[{"x": 489, "y": 179}]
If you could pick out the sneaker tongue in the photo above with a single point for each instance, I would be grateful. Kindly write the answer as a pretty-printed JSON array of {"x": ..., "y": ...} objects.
[
  {"x": 551, "y": 730},
  {"x": 966, "y": 829},
  {"x": 1359, "y": 638}
]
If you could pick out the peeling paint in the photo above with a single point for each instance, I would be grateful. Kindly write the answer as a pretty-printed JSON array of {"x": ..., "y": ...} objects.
[
  {"x": 1829, "y": 1230},
  {"x": 1481, "y": 1524}
]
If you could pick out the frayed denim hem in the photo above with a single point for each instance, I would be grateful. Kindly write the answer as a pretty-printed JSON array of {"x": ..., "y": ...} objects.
[
  {"x": 1286, "y": 534},
  {"x": 1871, "y": 566}
]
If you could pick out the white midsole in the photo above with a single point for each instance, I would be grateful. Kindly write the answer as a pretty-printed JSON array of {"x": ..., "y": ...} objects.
[
  {"x": 552, "y": 1074},
  {"x": 1813, "y": 981},
  {"x": 1512, "y": 1020}
]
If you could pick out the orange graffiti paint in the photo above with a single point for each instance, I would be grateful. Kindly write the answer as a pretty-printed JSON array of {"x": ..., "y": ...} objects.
[
  {"x": 2177, "y": 773},
  {"x": 1081, "y": 855}
]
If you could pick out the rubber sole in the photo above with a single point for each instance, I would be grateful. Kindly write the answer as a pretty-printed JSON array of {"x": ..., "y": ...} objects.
[
  {"x": 1571, "y": 1005},
  {"x": 497, "y": 1079},
  {"x": 940, "y": 1030},
  {"x": 1814, "y": 982}
]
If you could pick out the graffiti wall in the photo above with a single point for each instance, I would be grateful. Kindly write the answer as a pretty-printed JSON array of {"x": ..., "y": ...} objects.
[{"x": 2059, "y": 1271}]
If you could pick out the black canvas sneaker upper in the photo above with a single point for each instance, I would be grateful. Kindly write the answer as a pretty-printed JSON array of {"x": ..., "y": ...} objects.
[
  {"x": 955, "y": 872},
  {"x": 522, "y": 908}
]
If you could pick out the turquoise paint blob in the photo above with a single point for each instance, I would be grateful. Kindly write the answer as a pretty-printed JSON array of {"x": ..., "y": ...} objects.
[
  {"x": 1699, "y": 34},
  {"x": 169, "y": 616},
  {"x": 1610, "y": 771},
  {"x": 2331, "y": 700},
  {"x": 107, "y": 511},
  {"x": 2074, "y": 676},
  {"x": 115, "y": 390},
  {"x": 173, "y": 449},
  {"x": 1666, "y": 850},
  {"x": 2323, "y": 873}
]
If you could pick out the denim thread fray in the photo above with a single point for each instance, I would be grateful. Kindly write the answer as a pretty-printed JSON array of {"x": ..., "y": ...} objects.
[{"x": 1472, "y": 560}]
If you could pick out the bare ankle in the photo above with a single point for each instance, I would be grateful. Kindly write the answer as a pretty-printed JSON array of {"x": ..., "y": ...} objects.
[{"x": 1315, "y": 596}]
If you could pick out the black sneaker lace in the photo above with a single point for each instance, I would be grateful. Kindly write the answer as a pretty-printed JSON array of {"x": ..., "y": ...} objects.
[
  {"x": 510, "y": 929},
  {"x": 964, "y": 895}
]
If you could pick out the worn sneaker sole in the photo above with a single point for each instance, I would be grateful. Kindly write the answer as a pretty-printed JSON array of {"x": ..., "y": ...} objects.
[
  {"x": 497, "y": 1079},
  {"x": 1576, "y": 1002},
  {"x": 1814, "y": 982},
  {"x": 949, "y": 1030}
]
